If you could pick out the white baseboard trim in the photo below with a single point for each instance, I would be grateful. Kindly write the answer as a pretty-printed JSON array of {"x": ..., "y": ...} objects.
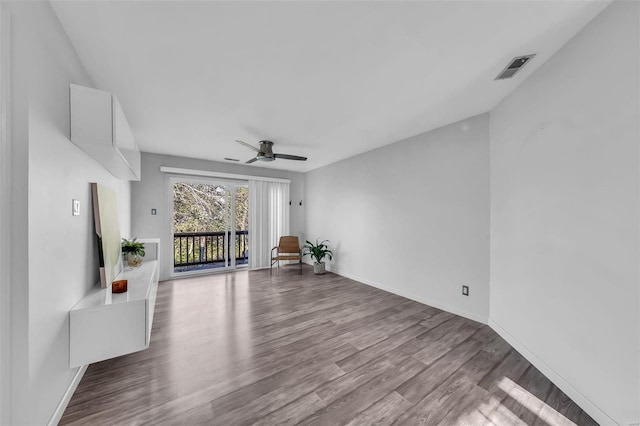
[
  {"x": 261, "y": 268},
  {"x": 62, "y": 405},
  {"x": 585, "y": 403},
  {"x": 434, "y": 303}
]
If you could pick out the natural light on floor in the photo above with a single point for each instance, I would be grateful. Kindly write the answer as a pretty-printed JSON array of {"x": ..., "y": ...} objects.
[
  {"x": 494, "y": 412},
  {"x": 532, "y": 403}
]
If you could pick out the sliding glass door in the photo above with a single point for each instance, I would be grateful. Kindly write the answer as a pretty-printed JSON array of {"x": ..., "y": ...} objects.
[{"x": 210, "y": 225}]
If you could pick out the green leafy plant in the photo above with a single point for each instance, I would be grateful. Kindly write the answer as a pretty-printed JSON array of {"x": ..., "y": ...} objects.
[
  {"x": 317, "y": 251},
  {"x": 133, "y": 247}
]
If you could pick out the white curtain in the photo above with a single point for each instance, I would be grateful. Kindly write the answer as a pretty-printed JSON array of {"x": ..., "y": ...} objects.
[{"x": 268, "y": 219}]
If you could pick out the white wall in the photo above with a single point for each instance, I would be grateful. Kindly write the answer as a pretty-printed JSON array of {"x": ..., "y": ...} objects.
[
  {"x": 564, "y": 216},
  {"x": 151, "y": 192},
  {"x": 412, "y": 217},
  {"x": 5, "y": 228},
  {"x": 55, "y": 256}
]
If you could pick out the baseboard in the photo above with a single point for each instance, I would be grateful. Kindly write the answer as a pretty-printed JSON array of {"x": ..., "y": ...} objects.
[
  {"x": 434, "y": 303},
  {"x": 62, "y": 405},
  {"x": 261, "y": 268},
  {"x": 585, "y": 403}
]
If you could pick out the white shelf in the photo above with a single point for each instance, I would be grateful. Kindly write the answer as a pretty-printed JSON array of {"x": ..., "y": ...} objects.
[{"x": 104, "y": 325}]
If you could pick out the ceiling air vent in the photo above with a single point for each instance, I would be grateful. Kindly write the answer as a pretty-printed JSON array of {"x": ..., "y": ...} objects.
[
  {"x": 231, "y": 159},
  {"x": 514, "y": 66}
]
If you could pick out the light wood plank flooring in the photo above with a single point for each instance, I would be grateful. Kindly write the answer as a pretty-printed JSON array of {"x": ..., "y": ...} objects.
[{"x": 246, "y": 348}]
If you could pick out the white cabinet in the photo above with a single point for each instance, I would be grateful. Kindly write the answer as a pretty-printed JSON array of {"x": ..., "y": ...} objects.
[
  {"x": 104, "y": 325},
  {"x": 99, "y": 128}
]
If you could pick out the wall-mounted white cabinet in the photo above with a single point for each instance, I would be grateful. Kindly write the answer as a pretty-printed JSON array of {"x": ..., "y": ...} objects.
[
  {"x": 99, "y": 128},
  {"x": 104, "y": 325}
]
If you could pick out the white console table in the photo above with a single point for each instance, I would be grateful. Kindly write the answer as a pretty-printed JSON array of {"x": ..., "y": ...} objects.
[{"x": 105, "y": 325}]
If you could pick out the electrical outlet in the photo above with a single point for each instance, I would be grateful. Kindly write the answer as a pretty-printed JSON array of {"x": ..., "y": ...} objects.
[{"x": 465, "y": 290}]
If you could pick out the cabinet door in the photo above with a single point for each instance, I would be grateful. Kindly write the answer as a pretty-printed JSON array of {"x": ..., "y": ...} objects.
[
  {"x": 99, "y": 334},
  {"x": 123, "y": 138},
  {"x": 99, "y": 128},
  {"x": 91, "y": 116}
]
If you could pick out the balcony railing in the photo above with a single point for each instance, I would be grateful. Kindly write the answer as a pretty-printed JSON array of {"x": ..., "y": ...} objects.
[{"x": 201, "y": 248}]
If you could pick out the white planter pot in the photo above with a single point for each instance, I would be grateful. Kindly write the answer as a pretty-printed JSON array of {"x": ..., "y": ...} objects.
[
  {"x": 134, "y": 260},
  {"x": 318, "y": 268}
]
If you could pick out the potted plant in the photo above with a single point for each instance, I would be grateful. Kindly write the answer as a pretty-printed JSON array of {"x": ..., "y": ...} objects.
[
  {"x": 317, "y": 251},
  {"x": 133, "y": 251}
]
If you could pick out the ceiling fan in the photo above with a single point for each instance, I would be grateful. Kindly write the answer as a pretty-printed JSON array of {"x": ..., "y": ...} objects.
[{"x": 265, "y": 153}]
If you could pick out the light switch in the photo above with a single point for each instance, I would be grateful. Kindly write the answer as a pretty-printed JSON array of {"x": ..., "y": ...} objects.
[
  {"x": 153, "y": 212},
  {"x": 76, "y": 207}
]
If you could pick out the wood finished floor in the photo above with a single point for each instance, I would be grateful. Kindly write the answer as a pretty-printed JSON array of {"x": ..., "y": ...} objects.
[{"x": 247, "y": 348}]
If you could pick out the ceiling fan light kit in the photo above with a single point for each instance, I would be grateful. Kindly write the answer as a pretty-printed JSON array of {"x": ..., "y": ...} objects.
[{"x": 265, "y": 153}]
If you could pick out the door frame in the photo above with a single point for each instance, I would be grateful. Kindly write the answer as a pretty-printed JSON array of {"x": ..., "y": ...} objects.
[
  {"x": 5, "y": 217},
  {"x": 230, "y": 255}
]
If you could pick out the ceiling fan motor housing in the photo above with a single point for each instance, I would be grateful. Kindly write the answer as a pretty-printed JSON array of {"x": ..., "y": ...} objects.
[{"x": 266, "y": 151}]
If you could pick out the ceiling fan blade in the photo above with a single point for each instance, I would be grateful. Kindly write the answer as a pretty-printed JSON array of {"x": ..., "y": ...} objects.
[
  {"x": 248, "y": 146},
  {"x": 290, "y": 157},
  {"x": 251, "y": 161}
]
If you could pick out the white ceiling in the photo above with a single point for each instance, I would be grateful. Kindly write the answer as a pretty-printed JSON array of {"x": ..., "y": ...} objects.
[{"x": 326, "y": 80}]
